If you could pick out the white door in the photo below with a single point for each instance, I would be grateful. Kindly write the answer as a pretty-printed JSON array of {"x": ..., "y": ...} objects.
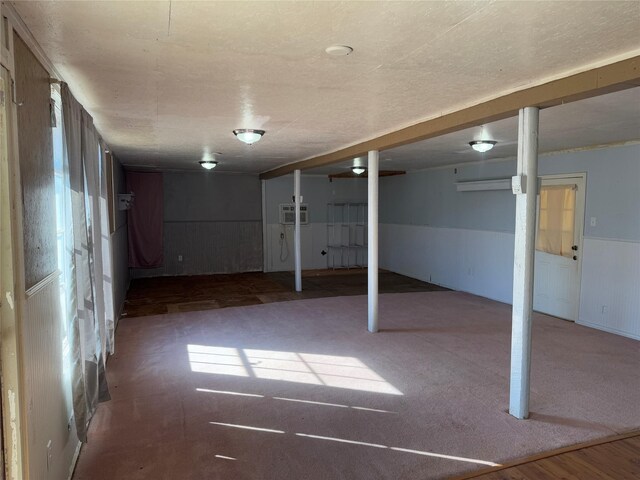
[{"x": 558, "y": 256}]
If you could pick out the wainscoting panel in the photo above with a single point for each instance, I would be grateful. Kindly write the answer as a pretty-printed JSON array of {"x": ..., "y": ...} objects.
[
  {"x": 481, "y": 262},
  {"x": 198, "y": 248},
  {"x": 610, "y": 297},
  {"x": 473, "y": 261},
  {"x": 52, "y": 441}
]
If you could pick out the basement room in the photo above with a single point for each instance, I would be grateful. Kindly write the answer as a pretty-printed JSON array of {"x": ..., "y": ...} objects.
[{"x": 320, "y": 240}]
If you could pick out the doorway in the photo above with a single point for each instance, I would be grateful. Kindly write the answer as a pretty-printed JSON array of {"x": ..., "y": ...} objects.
[{"x": 558, "y": 255}]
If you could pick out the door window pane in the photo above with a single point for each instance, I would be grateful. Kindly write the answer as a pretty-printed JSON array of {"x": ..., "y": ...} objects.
[{"x": 556, "y": 222}]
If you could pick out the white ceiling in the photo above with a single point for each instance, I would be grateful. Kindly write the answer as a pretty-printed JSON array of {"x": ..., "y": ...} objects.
[
  {"x": 609, "y": 119},
  {"x": 166, "y": 81}
]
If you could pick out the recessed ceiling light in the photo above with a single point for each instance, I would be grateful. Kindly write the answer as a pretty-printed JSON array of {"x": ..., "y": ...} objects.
[
  {"x": 358, "y": 170},
  {"x": 482, "y": 145},
  {"x": 208, "y": 164},
  {"x": 248, "y": 135},
  {"x": 338, "y": 50}
]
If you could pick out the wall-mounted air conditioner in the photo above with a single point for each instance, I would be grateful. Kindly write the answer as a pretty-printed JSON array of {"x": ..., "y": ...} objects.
[
  {"x": 287, "y": 213},
  {"x": 482, "y": 185}
]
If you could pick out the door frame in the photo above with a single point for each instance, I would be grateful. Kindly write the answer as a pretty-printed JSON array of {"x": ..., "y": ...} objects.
[
  {"x": 14, "y": 405},
  {"x": 581, "y": 201}
]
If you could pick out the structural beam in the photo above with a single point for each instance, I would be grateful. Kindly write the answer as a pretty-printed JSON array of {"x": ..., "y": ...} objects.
[
  {"x": 296, "y": 233},
  {"x": 525, "y": 186},
  {"x": 372, "y": 251},
  {"x": 590, "y": 83}
]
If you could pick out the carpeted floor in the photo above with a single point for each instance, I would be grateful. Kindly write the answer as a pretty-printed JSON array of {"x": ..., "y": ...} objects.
[{"x": 300, "y": 390}]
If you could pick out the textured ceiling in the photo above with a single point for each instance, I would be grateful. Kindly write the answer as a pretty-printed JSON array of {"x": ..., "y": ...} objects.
[
  {"x": 609, "y": 119},
  {"x": 166, "y": 81}
]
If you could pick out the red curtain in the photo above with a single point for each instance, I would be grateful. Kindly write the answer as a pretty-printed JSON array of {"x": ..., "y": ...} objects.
[{"x": 145, "y": 220}]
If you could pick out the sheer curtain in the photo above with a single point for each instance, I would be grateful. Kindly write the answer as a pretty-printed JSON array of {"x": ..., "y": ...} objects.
[
  {"x": 86, "y": 307},
  {"x": 556, "y": 222},
  {"x": 107, "y": 266}
]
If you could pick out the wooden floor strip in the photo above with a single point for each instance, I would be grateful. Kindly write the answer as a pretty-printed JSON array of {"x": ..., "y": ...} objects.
[{"x": 611, "y": 458}]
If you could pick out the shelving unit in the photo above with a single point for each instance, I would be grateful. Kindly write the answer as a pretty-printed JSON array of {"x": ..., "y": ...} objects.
[{"x": 347, "y": 234}]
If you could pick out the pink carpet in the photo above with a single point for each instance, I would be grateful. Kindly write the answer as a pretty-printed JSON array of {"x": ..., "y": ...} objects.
[{"x": 300, "y": 390}]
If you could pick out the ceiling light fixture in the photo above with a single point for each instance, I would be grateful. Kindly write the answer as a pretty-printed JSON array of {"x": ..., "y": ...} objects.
[
  {"x": 248, "y": 135},
  {"x": 208, "y": 164},
  {"x": 482, "y": 145},
  {"x": 358, "y": 170},
  {"x": 338, "y": 50}
]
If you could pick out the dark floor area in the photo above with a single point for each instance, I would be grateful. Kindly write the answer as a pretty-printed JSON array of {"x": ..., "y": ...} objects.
[{"x": 154, "y": 296}]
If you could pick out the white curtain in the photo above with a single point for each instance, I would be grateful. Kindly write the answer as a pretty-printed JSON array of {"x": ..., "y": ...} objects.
[
  {"x": 107, "y": 254},
  {"x": 86, "y": 309},
  {"x": 556, "y": 223}
]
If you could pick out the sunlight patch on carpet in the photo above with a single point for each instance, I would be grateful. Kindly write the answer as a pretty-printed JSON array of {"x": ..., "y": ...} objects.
[{"x": 312, "y": 369}]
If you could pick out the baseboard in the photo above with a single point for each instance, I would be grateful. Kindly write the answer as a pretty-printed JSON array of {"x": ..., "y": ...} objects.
[
  {"x": 615, "y": 331},
  {"x": 74, "y": 460}
]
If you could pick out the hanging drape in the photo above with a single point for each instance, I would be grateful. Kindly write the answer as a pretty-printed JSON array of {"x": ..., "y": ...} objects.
[
  {"x": 557, "y": 220},
  {"x": 145, "y": 220},
  {"x": 86, "y": 312},
  {"x": 107, "y": 266}
]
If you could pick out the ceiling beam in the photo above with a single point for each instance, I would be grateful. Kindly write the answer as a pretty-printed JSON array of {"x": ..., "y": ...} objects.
[{"x": 591, "y": 83}]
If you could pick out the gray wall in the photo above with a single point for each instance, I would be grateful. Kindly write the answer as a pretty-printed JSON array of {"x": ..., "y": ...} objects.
[
  {"x": 119, "y": 243},
  {"x": 429, "y": 197},
  {"x": 465, "y": 240},
  {"x": 213, "y": 221},
  {"x": 35, "y": 146},
  {"x": 316, "y": 191}
]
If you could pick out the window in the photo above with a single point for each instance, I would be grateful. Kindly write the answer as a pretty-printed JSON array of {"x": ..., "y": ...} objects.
[
  {"x": 556, "y": 222},
  {"x": 64, "y": 235}
]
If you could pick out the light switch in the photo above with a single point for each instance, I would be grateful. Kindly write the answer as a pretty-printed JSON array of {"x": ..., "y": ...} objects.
[{"x": 593, "y": 221}]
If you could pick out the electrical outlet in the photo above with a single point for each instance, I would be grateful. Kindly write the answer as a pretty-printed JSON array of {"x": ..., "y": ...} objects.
[
  {"x": 179, "y": 258},
  {"x": 604, "y": 309},
  {"x": 593, "y": 221}
]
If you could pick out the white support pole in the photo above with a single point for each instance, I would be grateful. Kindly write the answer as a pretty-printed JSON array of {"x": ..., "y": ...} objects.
[
  {"x": 525, "y": 186},
  {"x": 372, "y": 261},
  {"x": 265, "y": 238},
  {"x": 296, "y": 232}
]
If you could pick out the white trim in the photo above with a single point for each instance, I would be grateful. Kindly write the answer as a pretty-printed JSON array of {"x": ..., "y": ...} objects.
[
  {"x": 614, "y": 331},
  {"x": 42, "y": 283},
  {"x": 581, "y": 204},
  {"x": 74, "y": 460},
  {"x": 565, "y": 176},
  {"x": 6, "y": 58},
  {"x": 611, "y": 239},
  {"x": 27, "y": 37}
]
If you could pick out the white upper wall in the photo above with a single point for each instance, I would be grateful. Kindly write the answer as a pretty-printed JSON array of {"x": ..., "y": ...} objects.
[{"x": 429, "y": 197}]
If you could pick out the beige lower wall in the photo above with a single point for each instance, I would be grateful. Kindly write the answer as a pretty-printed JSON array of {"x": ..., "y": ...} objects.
[{"x": 47, "y": 394}]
